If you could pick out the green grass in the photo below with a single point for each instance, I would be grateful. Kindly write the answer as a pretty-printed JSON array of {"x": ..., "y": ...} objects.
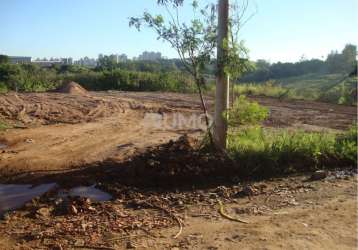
[
  {"x": 244, "y": 112},
  {"x": 264, "y": 152},
  {"x": 322, "y": 87},
  {"x": 267, "y": 152},
  {"x": 317, "y": 86},
  {"x": 266, "y": 89},
  {"x": 4, "y": 125}
]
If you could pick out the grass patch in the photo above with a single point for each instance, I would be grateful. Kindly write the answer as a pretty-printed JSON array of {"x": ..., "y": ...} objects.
[
  {"x": 263, "y": 152},
  {"x": 266, "y": 152},
  {"x": 4, "y": 125},
  {"x": 266, "y": 89},
  {"x": 323, "y": 87}
]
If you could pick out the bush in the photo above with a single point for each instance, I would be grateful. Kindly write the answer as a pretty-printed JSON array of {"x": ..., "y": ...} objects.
[
  {"x": 30, "y": 77},
  {"x": 133, "y": 81},
  {"x": 245, "y": 112},
  {"x": 3, "y": 87},
  {"x": 346, "y": 145},
  {"x": 26, "y": 77}
]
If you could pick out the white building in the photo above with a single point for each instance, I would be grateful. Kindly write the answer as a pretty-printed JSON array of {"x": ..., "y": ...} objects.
[{"x": 150, "y": 56}]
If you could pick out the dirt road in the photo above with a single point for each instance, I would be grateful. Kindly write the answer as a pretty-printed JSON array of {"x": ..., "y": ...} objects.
[
  {"x": 288, "y": 213},
  {"x": 320, "y": 217}
]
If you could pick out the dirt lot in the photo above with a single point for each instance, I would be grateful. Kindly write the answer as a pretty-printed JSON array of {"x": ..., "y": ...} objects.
[
  {"x": 83, "y": 129},
  {"x": 58, "y": 133}
]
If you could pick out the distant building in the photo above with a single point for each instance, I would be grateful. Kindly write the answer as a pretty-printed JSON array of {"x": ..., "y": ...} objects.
[
  {"x": 67, "y": 61},
  {"x": 150, "y": 56},
  {"x": 19, "y": 59},
  {"x": 53, "y": 61},
  {"x": 117, "y": 58},
  {"x": 47, "y": 63},
  {"x": 89, "y": 62},
  {"x": 122, "y": 58}
]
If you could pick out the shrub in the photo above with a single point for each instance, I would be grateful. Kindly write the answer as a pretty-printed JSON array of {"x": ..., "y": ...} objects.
[
  {"x": 346, "y": 145},
  {"x": 246, "y": 112},
  {"x": 133, "y": 81},
  {"x": 3, "y": 87}
]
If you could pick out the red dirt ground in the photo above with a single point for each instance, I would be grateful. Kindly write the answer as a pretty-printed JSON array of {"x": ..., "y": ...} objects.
[{"x": 57, "y": 133}]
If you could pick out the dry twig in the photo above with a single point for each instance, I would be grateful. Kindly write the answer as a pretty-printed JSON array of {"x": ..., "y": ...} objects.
[
  {"x": 229, "y": 217},
  {"x": 170, "y": 214}
]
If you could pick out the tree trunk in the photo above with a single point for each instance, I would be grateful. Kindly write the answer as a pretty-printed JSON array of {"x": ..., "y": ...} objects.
[
  {"x": 222, "y": 80},
  {"x": 205, "y": 111},
  {"x": 232, "y": 93}
]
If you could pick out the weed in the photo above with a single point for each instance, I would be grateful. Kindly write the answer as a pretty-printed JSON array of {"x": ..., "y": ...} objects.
[
  {"x": 4, "y": 125},
  {"x": 266, "y": 152},
  {"x": 244, "y": 112}
]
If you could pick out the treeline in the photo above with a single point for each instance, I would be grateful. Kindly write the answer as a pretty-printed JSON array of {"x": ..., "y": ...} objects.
[
  {"x": 163, "y": 74},
  {"x": 27, "y": 77},
  {"x": 155, "y": 66},
  {"x": 343, "y": 62},
  {"x": 125, "y": 80},
  {"x": 131, "y": 76}
]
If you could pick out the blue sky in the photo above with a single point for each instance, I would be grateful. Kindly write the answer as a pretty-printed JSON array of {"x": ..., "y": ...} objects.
[{"x": 281, "y": 30}]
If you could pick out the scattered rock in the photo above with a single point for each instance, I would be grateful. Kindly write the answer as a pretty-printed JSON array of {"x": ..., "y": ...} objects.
[
  {"x": 44, "y": 212},
  {"x": 72, "y": 210},
  {"x": 29, "y": 140},
  {"x": 57, "y": 246},
  {"x": 318, "y": 175},
  {"x": 247, "y": 190},
  {"x": 131, "y": 245}
]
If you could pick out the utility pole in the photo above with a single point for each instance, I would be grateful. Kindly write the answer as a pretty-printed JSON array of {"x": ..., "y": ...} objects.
[{"x": 222, "y": 79}]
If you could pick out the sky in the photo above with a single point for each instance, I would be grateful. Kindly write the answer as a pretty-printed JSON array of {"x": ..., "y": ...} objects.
[{"x": 280, "y": 30}]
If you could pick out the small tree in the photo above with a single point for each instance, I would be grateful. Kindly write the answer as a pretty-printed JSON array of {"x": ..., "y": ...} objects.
[{"x": 194, "y": 41}]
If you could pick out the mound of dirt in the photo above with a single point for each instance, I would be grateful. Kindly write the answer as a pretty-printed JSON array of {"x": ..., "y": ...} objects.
[
  {"x": 22, "y": 109},
  {"x": 175, "y": 163},
  {"x": 72, "y": 88}
]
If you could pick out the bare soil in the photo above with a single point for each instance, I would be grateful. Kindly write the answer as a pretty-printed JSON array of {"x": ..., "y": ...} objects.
[
  {"x": 286, "y": 213},
  {"x": 100, "y": 125},
  {"x": 72, "y": 88},
  {"x": 70, "y": 138}
]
